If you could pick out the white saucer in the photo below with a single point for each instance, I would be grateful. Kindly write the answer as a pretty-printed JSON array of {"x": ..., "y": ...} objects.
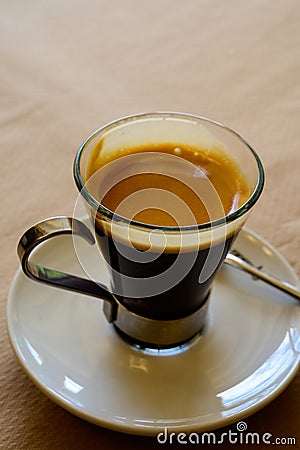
[{"x": 247, "y": 355}]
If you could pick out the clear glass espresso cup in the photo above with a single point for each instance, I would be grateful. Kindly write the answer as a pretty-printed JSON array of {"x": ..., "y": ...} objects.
[{"x": 160, "y": 276}]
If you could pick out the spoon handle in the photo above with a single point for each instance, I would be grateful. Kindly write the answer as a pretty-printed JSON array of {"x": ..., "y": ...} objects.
[{"x": 240, "y": 263}]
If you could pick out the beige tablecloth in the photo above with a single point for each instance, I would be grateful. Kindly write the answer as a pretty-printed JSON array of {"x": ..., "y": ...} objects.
[{"x": 68, "y": 67}]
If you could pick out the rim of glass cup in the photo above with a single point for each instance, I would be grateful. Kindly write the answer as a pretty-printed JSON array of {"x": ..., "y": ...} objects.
[{"x": 111, "y": 215}]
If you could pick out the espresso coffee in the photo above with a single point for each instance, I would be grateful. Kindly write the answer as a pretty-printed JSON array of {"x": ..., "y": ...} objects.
[
  {"x": 164, "y": 213},
  {"x": 164, "y": 185},
  {"x": 208, "y": 171}
]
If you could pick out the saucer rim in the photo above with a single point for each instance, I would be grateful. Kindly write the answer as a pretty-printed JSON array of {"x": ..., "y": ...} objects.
[{"x": 153, "y": 428}]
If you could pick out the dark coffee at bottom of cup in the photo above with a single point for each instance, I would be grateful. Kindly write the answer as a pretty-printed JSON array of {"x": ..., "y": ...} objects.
[
  {"x": 186, "y": 294},
  {"x": 164, "y": 185}
]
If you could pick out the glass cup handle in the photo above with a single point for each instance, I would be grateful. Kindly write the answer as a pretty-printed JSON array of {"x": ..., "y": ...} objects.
[{"x": 45, "y": 230}]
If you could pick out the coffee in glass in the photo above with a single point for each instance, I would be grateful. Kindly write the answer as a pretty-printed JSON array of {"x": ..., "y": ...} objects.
[{"x": 167, "y": 194}]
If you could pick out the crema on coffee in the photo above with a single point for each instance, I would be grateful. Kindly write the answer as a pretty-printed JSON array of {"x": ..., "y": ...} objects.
[{"x": 169, "y": 184}]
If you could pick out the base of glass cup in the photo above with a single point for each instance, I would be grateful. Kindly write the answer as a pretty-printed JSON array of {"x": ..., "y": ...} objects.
[
  {"x": 145, "y": 333},
  {"x": 155, "y": 349}
]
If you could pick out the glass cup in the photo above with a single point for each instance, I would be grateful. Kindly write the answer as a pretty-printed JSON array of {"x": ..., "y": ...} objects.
[{"x": 160, "y": 276}]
